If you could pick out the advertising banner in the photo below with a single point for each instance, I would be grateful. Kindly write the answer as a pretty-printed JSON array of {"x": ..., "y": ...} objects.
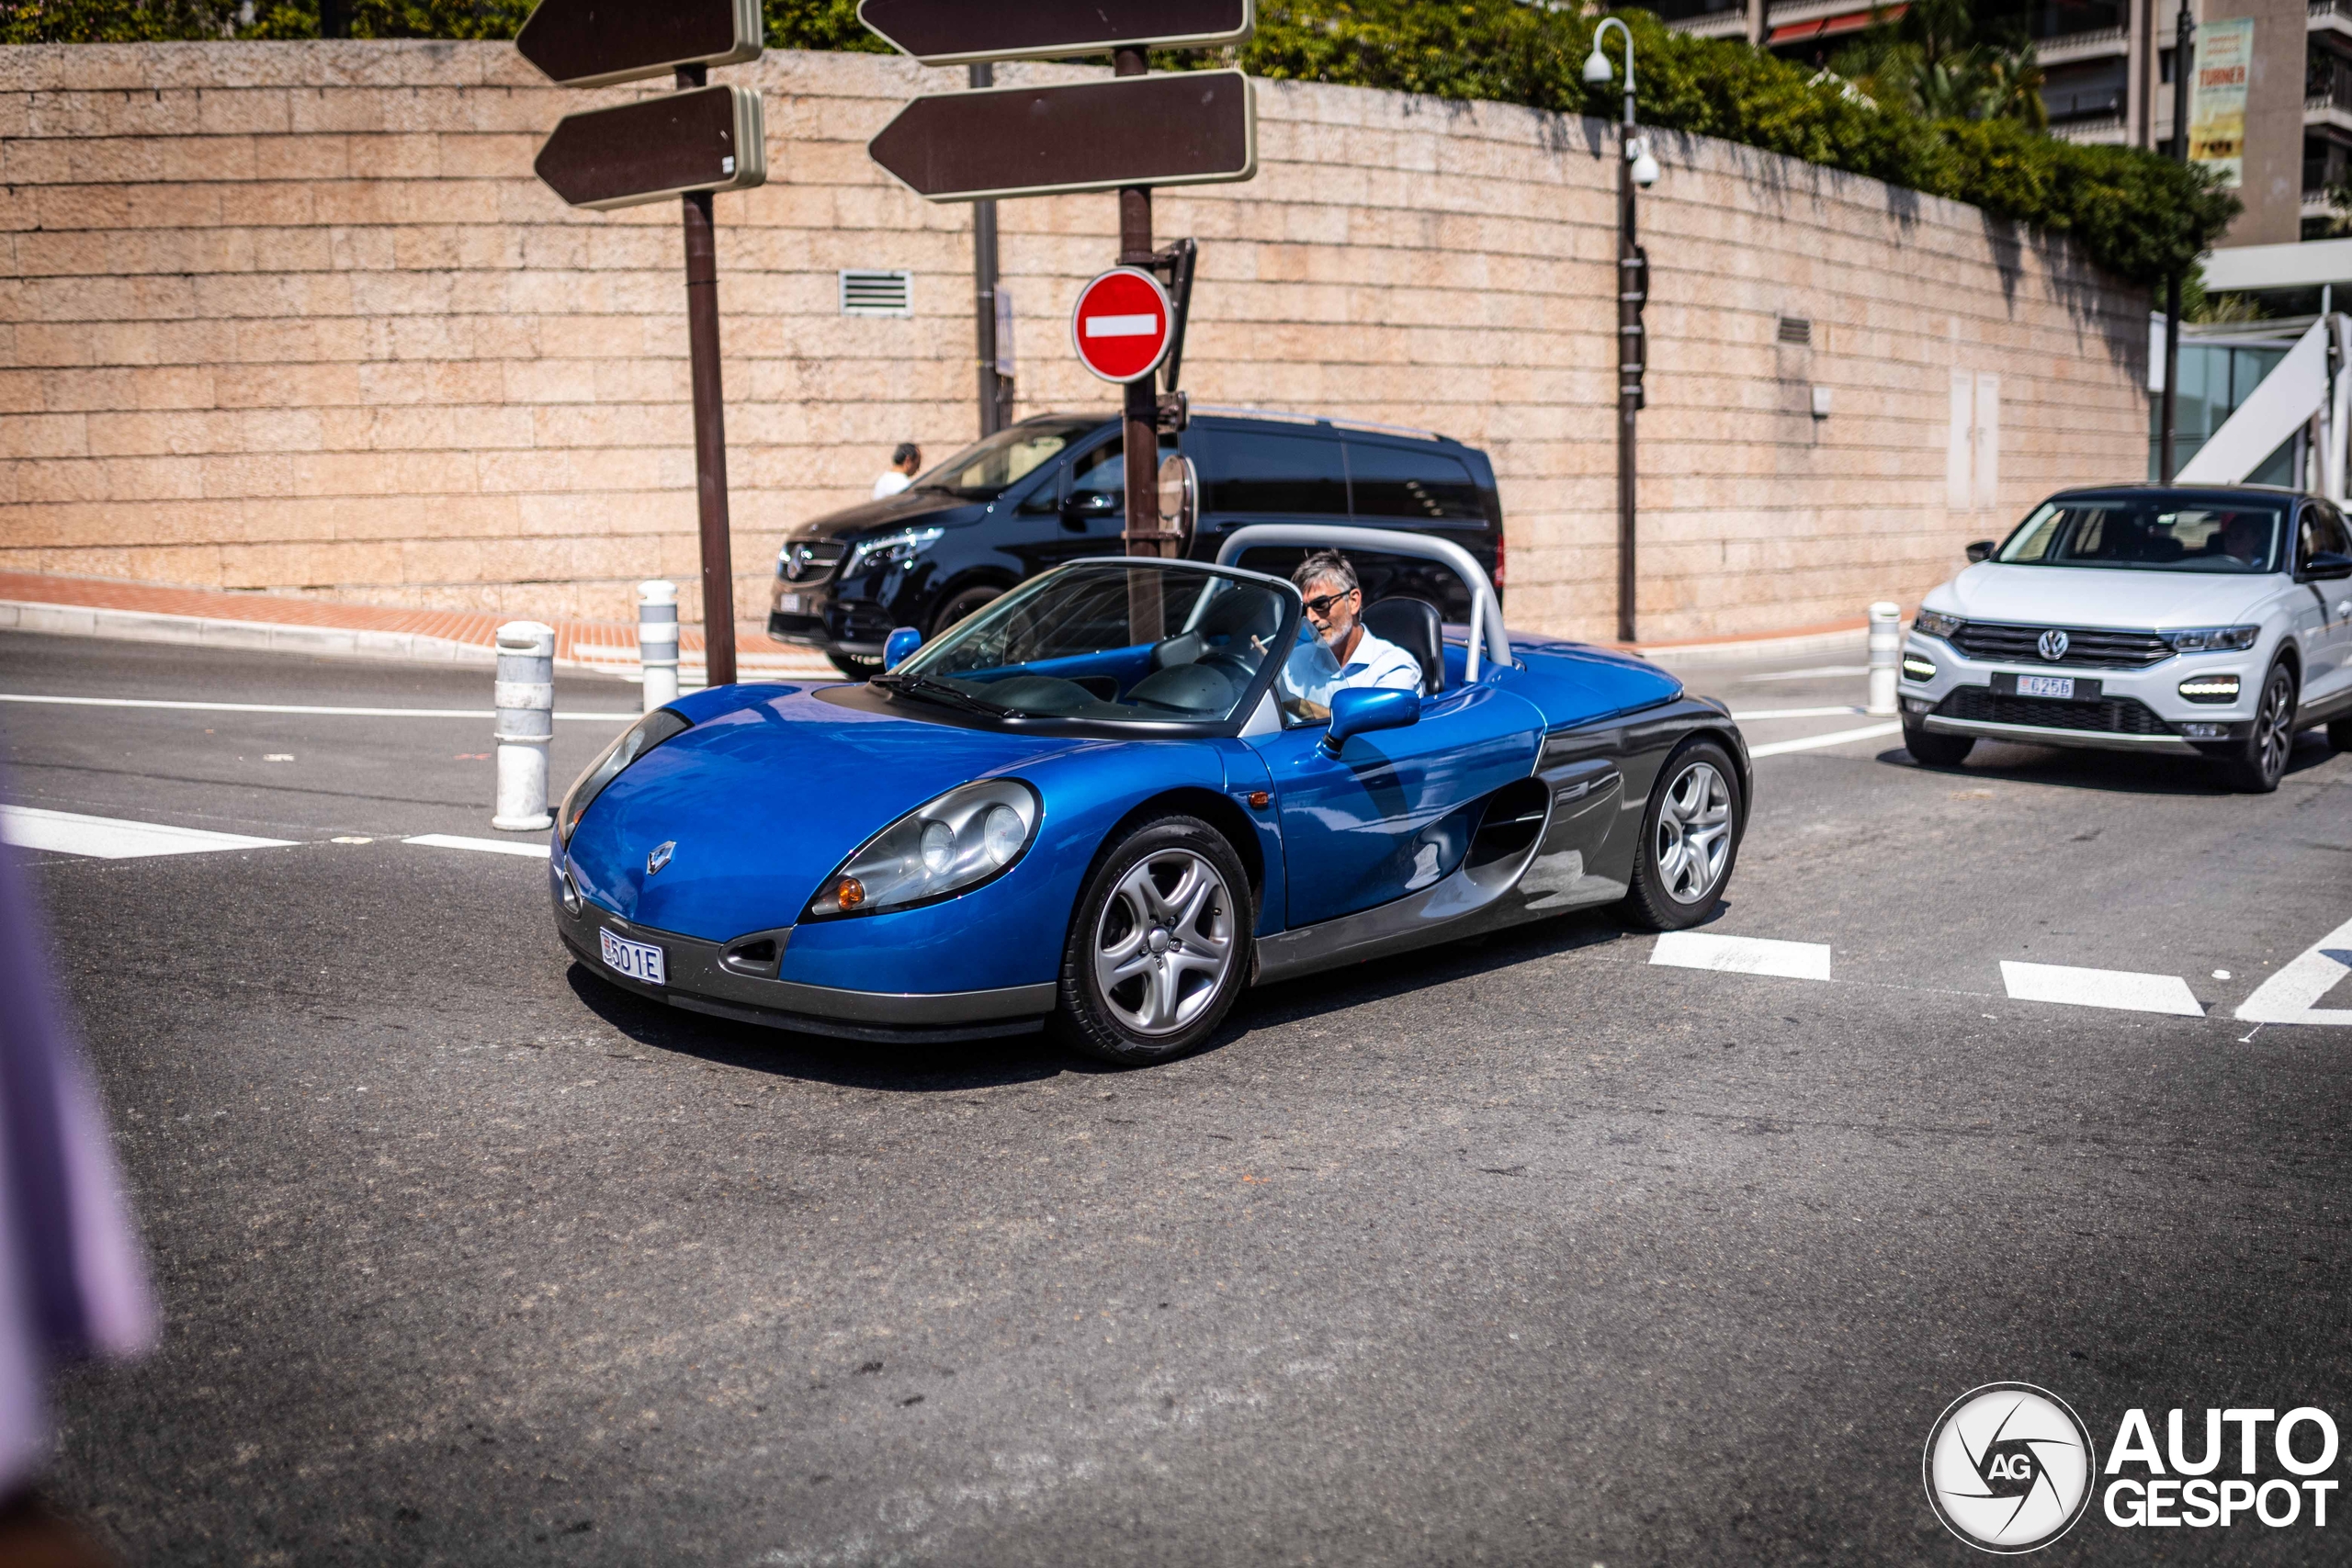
[{"x": 2217, "y": 107}]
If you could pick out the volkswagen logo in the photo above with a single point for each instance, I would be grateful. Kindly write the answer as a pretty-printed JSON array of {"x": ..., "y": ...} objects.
[
  {"x": 2052, "y": 645},
  {"x": 2009, "y": 1467},
  {"x": 659, "y": 857}
]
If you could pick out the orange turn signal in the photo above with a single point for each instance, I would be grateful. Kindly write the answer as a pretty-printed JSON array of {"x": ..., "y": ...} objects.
[{"x": 850, "y": 893}]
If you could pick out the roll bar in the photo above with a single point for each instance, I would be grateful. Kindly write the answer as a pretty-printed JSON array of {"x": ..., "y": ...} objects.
[{"x": 1486, "y": 610}]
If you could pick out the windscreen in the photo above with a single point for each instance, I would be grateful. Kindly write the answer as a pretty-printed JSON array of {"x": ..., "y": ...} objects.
[
  {"x": 1117, "y": 641},
  {"x": 2153, "y": 533},
  {"x": 984, "y": 469}
]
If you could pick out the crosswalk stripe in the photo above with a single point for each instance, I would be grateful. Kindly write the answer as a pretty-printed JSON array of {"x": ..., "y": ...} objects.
[
  {"x": 2293, "y": 995},
  {"x": 1836, "y": 738},
  {"x": 487, "y": 846},
  {"x": 1763, "y": 713},
  {"x": 110, "y": 837},
  {"x": 1743, "y": 955},
  {"x": 2117, "y": 988}
]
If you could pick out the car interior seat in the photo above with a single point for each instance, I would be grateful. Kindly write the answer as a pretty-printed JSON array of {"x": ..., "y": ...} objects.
[{"x": 1414, "y": 625}]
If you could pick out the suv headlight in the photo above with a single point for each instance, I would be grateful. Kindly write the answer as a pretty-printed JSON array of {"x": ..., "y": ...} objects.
[
  {"x": 632, "y": 744},
  {"x": 1935, "y": 623},
  {"x": 967, "y": 836},
  {"x": 891, "y": 549},
  {"x": 2214, "y": 639}
]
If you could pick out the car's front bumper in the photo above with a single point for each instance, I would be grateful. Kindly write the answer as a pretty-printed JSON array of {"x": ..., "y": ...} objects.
[
  {"x": 701, "y": 980},
  {"x": 2136, "y": 710},
  {"x": 814, "y": 614}
]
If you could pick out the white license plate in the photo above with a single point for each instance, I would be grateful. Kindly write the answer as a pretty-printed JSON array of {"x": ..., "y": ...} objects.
[
  {"x": 2045, "y": 685},
  {"x": 634, "y": 959},
  {"x": 789, "y": 603}
]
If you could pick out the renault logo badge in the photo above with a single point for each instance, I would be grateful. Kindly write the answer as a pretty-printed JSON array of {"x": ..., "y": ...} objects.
[
  {"x": 659, "y": 857},
  {"x": 2052, "y": 645}
]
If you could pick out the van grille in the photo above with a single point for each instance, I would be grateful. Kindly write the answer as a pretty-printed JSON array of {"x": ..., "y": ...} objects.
[
  {"x": 2090, "y": 647},
  {"x": 808, "y": 560}
]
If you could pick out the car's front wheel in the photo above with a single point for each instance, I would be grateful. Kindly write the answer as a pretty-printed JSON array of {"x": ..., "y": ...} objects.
[
  {"x": 1689, "y": 838},
  {"x": 1932, "y": 751},
  {"x": 2259, "y": 766},
  {"x": 1159, "y": 945}
]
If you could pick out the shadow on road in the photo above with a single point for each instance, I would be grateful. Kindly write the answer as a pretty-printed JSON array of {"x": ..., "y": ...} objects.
[{"x": 2121, "y": 773}]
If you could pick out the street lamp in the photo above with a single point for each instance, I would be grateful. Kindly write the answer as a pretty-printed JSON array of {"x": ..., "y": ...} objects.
[{"x": 1636, "y": 166}]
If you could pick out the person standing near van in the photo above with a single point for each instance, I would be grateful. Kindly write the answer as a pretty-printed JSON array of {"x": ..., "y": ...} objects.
[{"x": 905, "y": 463}]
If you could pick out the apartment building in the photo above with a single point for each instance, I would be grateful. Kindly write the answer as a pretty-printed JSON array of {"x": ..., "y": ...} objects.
[{"x": 2108, "y": 72}]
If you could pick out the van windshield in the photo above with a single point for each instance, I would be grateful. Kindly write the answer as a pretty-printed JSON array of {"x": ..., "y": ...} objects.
[
  {"x": 982, "y": 471},
  {"x": 2149, "y": 534}
]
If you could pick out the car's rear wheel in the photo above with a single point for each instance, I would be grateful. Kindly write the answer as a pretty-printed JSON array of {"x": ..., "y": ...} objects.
[
  {"x": 2258, "y": 769},
  {"x": 1689, "y": 838},
  {"x": 1932, "y": 751},
  {"x": 1159, "y": 945},
  {"x": 857, "y": 667}
]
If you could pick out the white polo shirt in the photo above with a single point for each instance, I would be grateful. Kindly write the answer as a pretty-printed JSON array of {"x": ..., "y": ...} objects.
[{"x": 1313, "y": 672}]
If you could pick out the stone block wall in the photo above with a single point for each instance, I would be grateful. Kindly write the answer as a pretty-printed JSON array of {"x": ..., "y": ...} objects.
[{"x": 299, "y": 319}]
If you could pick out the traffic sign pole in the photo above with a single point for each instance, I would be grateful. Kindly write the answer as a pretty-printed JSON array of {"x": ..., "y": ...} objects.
[
  {"x": 710, "y": 429},
  {"x": 1144, "y": 535}
]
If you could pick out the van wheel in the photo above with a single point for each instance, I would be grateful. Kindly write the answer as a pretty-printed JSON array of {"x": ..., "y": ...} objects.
[
  {"x": 962, "y": 604},
  {"x": 1159, "y": 945}
]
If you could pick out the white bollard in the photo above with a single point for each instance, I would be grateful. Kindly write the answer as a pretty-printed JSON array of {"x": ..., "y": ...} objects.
[
  {"x": 1886, "y": 649},
  {"x": 657, "y": 641},
  {"x": 526, "y": 703}
]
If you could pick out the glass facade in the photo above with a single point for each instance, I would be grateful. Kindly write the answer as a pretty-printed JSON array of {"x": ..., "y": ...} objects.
[{"x": 2215, "y": 377}]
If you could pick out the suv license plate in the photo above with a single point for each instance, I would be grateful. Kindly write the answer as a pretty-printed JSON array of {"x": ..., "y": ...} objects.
[
  {"x": 634, "y": 959},
  {"x": 789, "y": 603},
  {"x": 2046, "y": 686}
]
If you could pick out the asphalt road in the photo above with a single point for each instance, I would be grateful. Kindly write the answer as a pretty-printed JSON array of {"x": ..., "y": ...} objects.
[{"x": 1528, "y": 1252}]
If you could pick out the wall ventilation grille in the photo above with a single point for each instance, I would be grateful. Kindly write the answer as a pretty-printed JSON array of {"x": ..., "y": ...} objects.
[
  {"x": 874, "y": 291},
  {"x": 1796, "y": 329}
]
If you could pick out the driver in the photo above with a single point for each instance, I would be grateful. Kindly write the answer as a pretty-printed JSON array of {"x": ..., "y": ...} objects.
[
  {"x": 2246, "y": 537},
  {"x": 1340, "y": 652}
]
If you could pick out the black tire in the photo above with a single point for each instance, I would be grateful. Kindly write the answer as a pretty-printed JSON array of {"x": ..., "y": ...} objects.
[
  {"x": 857, "y": 666},
  {"x": 1115, "y": 1024},
  {"x": 962, "y": 603},
  {"x": 2339, "y": 735},
  {"x": 1665, "y": 895},
  {"x": 1932, "y": 751},
  {"x": 2262, "y": 759}
]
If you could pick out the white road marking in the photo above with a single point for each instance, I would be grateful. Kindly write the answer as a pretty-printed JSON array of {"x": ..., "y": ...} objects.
[
  {"x": 1798, "y": 712},
  {"x": 1121, "y": 326},
  {"x": 487, "y": 846},
  {"x": 110, "y": 837},
  {"x": 1836, "y": 738},
  {"x": 1815, "y": 673},
  {"x": 294, "y": 709},
  {"x": 1743, "y": 955},
  {"x": 2117, "y": 989},
  {"x": 2293, "y": 995}
]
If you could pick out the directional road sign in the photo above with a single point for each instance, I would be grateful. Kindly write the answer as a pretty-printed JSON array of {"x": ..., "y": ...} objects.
[
  {"x": 950, "y": 32},
  {"x": 707, "y": 138},
  {"x": 1182, "y": 127},
  {"x": 587, "y": 43},
  {"x": 1123, "y": 324}
]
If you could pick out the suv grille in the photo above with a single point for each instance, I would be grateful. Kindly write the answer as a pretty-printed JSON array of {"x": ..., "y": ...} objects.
[
  {"x": 810, "y": 561},
  {"x": 2112, "y": 716},
  {"x": 2086, "y": 646}
]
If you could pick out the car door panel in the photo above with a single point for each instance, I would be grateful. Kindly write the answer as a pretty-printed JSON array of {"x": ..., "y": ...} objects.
[
  {"x": 1395, "y": 811},
  {"x": 2322, "y": 611}
]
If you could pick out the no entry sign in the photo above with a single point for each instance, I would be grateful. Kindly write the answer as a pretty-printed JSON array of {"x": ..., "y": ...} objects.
[{"x": 1123, "y": 324}]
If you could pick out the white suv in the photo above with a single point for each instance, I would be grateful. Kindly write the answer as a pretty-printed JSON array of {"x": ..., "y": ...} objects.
[{"x": 2143, "y": 619}]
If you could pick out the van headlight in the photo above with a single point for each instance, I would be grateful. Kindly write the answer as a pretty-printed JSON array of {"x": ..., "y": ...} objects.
[
  {"x": 966, "y": 838},
  {"x": 891, "y": 549}
]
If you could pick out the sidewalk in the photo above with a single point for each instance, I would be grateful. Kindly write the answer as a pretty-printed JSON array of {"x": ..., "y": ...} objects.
[{"x": 142, "y": 612}]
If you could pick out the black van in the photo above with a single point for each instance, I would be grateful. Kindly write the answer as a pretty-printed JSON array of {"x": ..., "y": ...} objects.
[{"x": 1053, "y": 489}]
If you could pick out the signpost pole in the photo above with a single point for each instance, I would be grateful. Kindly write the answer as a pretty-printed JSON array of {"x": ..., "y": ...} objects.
[
  {"x": 996, "y": 391},
  {"x": 1142, "y": 448},
  {"x": 710, "y": 428},
  {"x": 2183, "y": 60}
]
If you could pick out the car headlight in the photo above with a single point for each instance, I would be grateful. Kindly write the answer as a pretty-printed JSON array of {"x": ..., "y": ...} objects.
[
  {"x": 2213, "y": 639},
  {"x": 2210, "y": 688},
  {"x": 1935, "y": 623},
  {"x": 891, "y": 549},
  {"x": 967, "y": 836},
  {"x": 632, "y": 744}
]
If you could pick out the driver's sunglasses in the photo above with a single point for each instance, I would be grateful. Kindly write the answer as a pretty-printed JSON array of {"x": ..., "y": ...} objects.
[{"x": 1320, "y": 607}]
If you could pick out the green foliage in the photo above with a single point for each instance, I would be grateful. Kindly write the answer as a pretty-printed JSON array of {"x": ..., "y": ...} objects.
[
  {"x": 819, "y": 24},
  {"x": 1927, "y": 59},
  {"x": 791, "y": 24}
]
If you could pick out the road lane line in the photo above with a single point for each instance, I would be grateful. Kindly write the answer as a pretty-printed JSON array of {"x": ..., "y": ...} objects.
[
  {"x": 487, "y": 846},
  {"x": 1839, "y": 737},
  {"x": 2293, "y": 995},
  {"x": 293, "y": 708},
  {"x": 1798, "y": 712},
  {"x": 111, "y": 838},
  {"x": 1743, "y": 955},
  {"x": 2117, "y": 988}
]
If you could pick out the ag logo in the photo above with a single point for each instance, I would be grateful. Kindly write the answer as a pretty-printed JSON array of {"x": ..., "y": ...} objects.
[
  {"x": 2053, "y": 644},
  {"x": 2009, "y": 1467}
]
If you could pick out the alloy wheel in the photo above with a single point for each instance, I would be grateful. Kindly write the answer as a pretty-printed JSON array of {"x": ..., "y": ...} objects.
[
  {"x": 1693, "y": 833},
  {"x": 1164, "y": 942},
  {"x": 2274, "y": 724}
]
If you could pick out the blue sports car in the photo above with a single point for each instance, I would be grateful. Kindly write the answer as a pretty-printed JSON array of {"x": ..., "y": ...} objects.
[{"x": 1101, "y": 801}]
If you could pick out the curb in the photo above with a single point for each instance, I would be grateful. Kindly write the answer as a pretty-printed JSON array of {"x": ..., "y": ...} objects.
[{"x": 1842, "y": 639}]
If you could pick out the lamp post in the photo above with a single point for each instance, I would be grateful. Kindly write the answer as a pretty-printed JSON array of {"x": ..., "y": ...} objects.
[
  {"x": 1635, "y": 167},
  {"x": 2182, "y": 52}
]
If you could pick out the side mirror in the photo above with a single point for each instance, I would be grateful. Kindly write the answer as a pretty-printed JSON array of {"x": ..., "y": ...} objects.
[
  {"x": 1360, "y": 710},
  {"x": 2326, "y": 565},
  {"x": 901, "y": 642},
  {"x": 1981, "y": 550}
]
